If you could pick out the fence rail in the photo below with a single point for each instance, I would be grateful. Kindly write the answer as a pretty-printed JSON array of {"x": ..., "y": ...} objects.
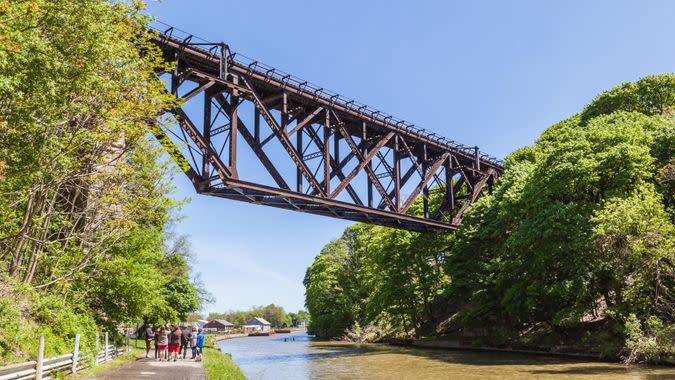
[{"x": 45, "y": 368}]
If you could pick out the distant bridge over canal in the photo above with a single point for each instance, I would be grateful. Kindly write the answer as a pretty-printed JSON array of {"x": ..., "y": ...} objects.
[{"x": 249, "y": 132}]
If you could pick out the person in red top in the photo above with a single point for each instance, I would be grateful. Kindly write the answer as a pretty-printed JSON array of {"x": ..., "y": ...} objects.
[{"x": 174, "y": 342}]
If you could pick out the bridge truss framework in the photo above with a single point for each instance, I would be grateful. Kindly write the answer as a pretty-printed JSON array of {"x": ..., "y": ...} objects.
[{"x": 351, "y": 161}]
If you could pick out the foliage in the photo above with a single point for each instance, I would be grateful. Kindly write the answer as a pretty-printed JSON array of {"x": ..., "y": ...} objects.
[
  {"x": 577, "y": 229},
  {"x": 577, "y": 234},
  {"x": 295, "y": 319},
  {"x": 275, "y": 315},
  {"x": 332, "y": 296},
  {"x": 375, "y": 276},
  {"x": 655, "y": 343},
  {"x": 48, "y": 317},
  {"x": 84, "y": 205}
]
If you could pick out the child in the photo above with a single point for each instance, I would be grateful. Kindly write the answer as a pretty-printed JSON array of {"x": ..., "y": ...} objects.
[
  {"x": 193, "y": 341},
  {"x": 200, "y": 345}
]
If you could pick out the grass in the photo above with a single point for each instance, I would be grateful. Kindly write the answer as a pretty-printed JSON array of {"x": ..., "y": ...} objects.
[{"x": 219, "y": 365}]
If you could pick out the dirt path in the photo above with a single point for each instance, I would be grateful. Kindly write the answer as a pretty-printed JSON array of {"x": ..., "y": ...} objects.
[{"x": 151, "y": 369}]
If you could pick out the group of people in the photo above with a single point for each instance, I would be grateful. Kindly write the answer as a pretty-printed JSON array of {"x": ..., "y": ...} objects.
[{"x": 172, "y": 343}]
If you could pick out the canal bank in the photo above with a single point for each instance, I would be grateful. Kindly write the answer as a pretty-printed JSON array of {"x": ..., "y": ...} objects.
[
  {"x": 571, "y": 352},
  {"x": 456, "y": 344},
  {"x": 219, "y": 365},
  {"x": 262, "y": 358}
]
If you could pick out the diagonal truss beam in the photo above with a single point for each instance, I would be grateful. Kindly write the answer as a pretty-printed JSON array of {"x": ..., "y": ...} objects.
[
  {"x": 336, "y": 167},
  {"x": 477, "y": 189},
  {"x": 285, "y": 142},
  {"x": 364, "y": 160},
  {"x": 188, "y": 126},
  {"x": 198, "y": 90},
  {"x": 301, "y": 124},
  {"x": 363, "y": 163},
  {"x": 425, "y": 180},
  {"x": 177, "y": 156}
]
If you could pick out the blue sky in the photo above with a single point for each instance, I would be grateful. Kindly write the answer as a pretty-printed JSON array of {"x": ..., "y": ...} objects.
[{"x": 488, "y": 73}]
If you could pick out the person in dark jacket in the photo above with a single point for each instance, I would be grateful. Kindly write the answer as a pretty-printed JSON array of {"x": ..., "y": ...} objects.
[
  {"x": 184, "y": 343},
  {"x": 149, "y": 337}
]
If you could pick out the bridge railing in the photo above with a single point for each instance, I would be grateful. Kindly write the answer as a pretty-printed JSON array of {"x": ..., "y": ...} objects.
[{"x": 318, "y": 91}]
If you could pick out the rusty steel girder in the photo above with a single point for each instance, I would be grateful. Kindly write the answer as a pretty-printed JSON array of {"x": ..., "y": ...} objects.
[{"x": 321, "y": 153}]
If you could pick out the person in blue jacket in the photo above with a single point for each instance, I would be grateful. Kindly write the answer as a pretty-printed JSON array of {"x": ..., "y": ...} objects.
[{"x": 200, "y": 345}]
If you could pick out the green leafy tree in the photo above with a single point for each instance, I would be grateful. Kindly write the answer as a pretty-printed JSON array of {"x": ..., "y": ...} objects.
[
  {"x": 332, "y": 297},
  {"x": 84, "y": 205},
  {"x": 578, "y": 226}
]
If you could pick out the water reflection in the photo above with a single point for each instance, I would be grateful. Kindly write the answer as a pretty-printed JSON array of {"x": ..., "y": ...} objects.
[{"x": 263, "y": 358}]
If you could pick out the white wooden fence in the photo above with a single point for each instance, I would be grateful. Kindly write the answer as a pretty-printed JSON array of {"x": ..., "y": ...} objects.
[{"x": 45, "y": 368}]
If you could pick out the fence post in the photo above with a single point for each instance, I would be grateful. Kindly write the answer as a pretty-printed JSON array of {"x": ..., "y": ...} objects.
[
  {"x": 40, "y": 358},
  {"x": 76, "y": 354},
  {"x": 105, "y": 350},
  {"x": 126, "y": 342},
  {"x": 115, "y": 345},
  {"x": 96, "y": 353}
]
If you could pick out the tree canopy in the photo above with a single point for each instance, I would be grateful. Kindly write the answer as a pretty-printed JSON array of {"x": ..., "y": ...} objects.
[{"x": 85, "y": 205}]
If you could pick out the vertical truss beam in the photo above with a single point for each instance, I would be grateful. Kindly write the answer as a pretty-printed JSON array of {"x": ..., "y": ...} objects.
[
  {"x": 234, "y": 129},
  {"x": 326, "y": 153},
  {"x": 254, "y": 144}
]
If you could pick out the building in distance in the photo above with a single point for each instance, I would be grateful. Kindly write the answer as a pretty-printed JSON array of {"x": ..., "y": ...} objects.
[
  {"x": 218, "y": 325},
  {"x": 257, "y": 324}
]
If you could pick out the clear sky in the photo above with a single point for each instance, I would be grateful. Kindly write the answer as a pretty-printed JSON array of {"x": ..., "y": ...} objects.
[{"x": 488, "y": 73}]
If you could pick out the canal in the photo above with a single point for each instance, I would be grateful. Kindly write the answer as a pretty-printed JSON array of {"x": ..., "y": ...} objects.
[{"x": 296, "y": 356}]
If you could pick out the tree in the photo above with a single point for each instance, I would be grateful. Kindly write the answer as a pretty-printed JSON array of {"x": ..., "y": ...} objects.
[
  {"x": 577, "y": 227},
  {"x": 401, "y": 273},
  {"x": 84, "y": 204},
  {"x": 331, "y": 295}
]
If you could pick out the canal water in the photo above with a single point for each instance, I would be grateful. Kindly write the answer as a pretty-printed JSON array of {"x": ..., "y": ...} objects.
[{"x": 296, "y": 356}]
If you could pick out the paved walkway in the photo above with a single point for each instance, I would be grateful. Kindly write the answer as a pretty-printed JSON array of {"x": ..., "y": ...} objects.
[{"x": 151, "y": 369}]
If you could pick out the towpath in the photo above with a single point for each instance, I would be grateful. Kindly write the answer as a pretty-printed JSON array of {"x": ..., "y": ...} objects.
[{"x": 143, "y": 368}]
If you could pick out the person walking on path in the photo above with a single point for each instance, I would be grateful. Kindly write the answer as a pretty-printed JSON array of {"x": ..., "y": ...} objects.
[
  {"x": 162, "y": 341},
  {"x": 193, "y": 342},
  {"x": 174, "y": 342},
  {"x": 156, "y": 343},
  {"x": 149, "y": 337},
  {"x": 184, "y": 342},
  {"x": 200, "y": 345}
]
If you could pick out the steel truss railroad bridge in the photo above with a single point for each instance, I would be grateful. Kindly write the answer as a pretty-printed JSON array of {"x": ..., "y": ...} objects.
[{"x": 311, "y": 150}]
